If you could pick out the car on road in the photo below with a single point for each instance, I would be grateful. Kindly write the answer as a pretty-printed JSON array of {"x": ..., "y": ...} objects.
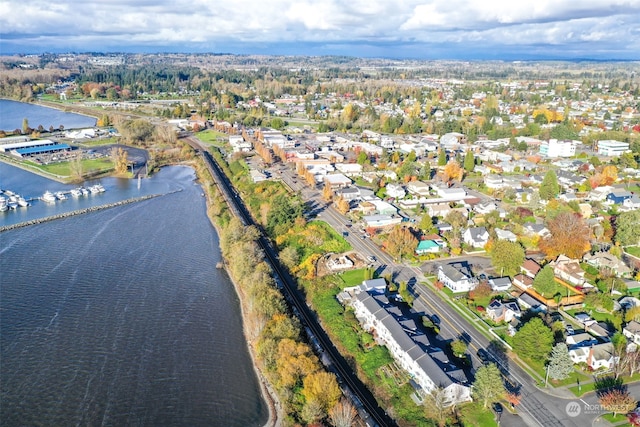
[
  {"x": 435, "y": 319},
  {"x": 371, "y": 258},
  {"x": 497, "y": 407},
  {"x": 484, "y": 355}
]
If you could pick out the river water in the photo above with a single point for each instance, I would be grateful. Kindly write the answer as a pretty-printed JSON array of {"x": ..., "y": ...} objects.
[
  {"x": 12, "y": 113},
  {"x": 119, "y": 317}
]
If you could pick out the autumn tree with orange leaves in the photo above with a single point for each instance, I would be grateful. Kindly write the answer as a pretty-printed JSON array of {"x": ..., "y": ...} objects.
[
  {"x": 401, "y": 241},
  {"x": 570, "y": 236},
  {"x": 452, "y": 171},
  {"x": 342, "y": 205}
]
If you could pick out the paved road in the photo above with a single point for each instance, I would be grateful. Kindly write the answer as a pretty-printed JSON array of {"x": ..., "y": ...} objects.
[{"x": 537, "y": 408}]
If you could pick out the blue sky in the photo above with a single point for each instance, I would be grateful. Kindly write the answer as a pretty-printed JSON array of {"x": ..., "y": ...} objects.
[{"x": 429, "y": 29}]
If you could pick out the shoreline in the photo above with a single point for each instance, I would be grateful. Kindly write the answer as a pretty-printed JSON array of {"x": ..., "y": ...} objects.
[
  {"x": 56, "y": 106},
  {"x": 268, "y": 394}
]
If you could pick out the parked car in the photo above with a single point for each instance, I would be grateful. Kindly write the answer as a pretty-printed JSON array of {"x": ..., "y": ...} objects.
[
  {"x": 497, "y": 407},
  {"x": 569, "y": 329},
  {"x": 484, "y": 355}
]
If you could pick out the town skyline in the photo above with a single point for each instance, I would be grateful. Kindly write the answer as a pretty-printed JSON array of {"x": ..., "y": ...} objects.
[{"x": 433, "y": 29}]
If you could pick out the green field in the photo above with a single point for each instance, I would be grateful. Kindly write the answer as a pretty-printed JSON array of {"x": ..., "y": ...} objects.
[
  {"x": 633, "y": 250},
  {"x": 63, "y": 169},
  {"x": 213, "y": 137}
]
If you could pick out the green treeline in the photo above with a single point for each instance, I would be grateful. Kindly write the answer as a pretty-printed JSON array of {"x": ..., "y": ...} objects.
[{"x": 306, "y": 391}]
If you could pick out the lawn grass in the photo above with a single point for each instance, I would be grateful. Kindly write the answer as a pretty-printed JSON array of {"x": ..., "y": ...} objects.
[
  {"x": 353, "y": 277},
  {"x": 583, "y": 389},
  {"x": 573, "y": 378},
  {"x": 213, "y": 137},
  {"x": 293, "y": 123},
  {"x": 615, "y": 420},
  {"x": 586, "y": 388},
  {"x": 474, "y": 414},
  {"x": 88, "y": 165},
  {"x": 100, "y": 141},
  {"x": 595, "y": 315},
  {"x": 633, "y": 250}
]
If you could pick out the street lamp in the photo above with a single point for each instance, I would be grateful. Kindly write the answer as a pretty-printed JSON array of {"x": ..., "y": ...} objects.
[{"x": 546, "y": 378}]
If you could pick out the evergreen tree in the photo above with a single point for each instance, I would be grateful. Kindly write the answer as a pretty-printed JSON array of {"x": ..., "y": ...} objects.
[
  {"x": 534, "y": 340},
  {"x": 545, "y": 282},
  {"x": 560, "y": 364},
  {"x": 442, "y": 158},
  {"x": 549, "y": 187},
  {"x": 469, "y": 161},
  {"x": 628, "y": 228}
]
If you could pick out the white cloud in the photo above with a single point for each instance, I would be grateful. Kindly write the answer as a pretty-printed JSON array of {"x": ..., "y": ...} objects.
[{"x": 341, "y": 22}]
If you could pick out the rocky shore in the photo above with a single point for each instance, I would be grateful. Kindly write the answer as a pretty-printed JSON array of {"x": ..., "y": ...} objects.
[{"x": 74, "y": 213}]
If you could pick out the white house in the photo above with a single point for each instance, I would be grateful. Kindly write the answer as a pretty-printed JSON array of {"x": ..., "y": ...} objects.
[
  {"x": 476, "y": 237},
  {"x": 632, "y": 331},
  {"x": 379, "y": 221},
  {"x": 580, "y": 340},
  {"x": 238, "y": 144},
  {"x": 505, "y": 235},
  {"x": 337, "y": 180},
  {"x": 418, "y": 188},
  {"x": 453, "y": 193},
  {"x": 457, "y": 277},
  {"x": 349, "y": 169},
  {"x": 596, "y": 356},
  {"x": 396, "y": 191},
  {"x": 500, "y": 284}
]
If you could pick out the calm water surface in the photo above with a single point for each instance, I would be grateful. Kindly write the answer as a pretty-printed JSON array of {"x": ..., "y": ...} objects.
[
  {"x": 12, "y": 113},
  {"x": 120, "y": 317}
]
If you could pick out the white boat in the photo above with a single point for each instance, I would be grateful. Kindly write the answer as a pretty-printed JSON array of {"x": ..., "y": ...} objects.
[
  {"x": 93, "y": 189},
  {"x": 76, "y": 192},
  {"x": 22, "y": 202},
  {"x": 99, "y": 188},
  {"x": 48, "y": 197},
  {"x": 3, "y": 204},
  {"x": 84, "y": 191},
  {"x": 60, "y": 195}
]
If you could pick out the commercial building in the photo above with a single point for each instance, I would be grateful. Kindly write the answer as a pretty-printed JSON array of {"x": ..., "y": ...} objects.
[{"x": 612, "y": 148}]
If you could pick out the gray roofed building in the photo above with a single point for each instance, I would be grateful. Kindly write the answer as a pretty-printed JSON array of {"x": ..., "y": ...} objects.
[
  {"x": 407, "y": 345},
  {"x": 457, "y": 277}
]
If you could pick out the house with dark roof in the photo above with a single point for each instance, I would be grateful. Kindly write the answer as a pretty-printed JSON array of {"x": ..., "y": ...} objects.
[
  {"x": 600, "y": 329},
  {"x": 526, "y": 301},
  {"x": 457, "y": 276},
  {"x": 618, "y": 196},
  {"x": 500, "y": 311},
  {"x": 580, "y": 340}
]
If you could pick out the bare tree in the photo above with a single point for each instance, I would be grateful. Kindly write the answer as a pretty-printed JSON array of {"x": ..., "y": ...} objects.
[
  {"x": 343, "y": 414},
  {"x": 438, "y": 406}
]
